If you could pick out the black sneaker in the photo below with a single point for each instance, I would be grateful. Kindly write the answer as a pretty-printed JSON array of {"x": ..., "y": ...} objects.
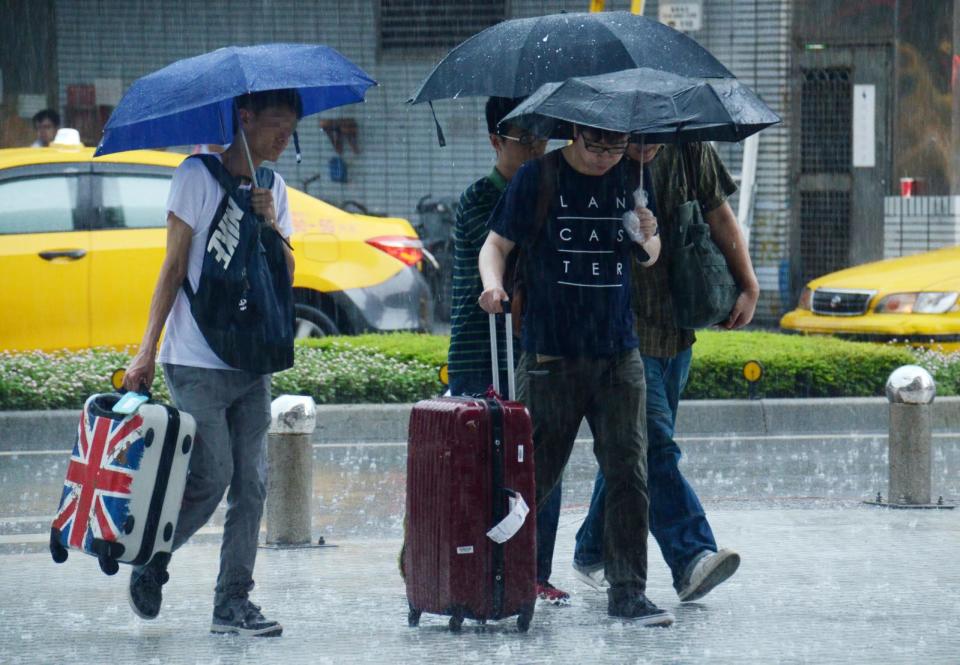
[
  {"x": 145, "y": 591},
  {"x": 633, "y": 604},
  {"x": 241, "y": 617}
]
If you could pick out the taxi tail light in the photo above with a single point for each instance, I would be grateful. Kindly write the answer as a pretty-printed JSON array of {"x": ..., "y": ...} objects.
[{"x": 405, "y": 249}]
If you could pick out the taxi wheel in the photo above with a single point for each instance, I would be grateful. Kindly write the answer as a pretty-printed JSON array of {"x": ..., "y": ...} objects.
[{"x": 311, "y": 322}]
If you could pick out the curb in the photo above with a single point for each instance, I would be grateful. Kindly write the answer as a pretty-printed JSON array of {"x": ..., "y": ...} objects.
[{"x": 387, "y": 423}]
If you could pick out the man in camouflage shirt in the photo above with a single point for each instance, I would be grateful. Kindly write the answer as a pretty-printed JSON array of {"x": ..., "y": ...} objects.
[{"x": 677, "y": 519}]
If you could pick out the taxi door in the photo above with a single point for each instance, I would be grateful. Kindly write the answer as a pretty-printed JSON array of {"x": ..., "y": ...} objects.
[
  {"x": 128, "y": 243},
  {"x": 44, "y": 257}
]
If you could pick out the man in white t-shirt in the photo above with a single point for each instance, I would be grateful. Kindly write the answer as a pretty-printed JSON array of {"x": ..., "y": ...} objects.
[{"x": 231, "y": 406}]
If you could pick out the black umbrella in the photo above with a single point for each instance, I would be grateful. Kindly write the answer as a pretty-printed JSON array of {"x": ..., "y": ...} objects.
[
  {"x": 514, "y": 58},
  {"x": 664, "y": 107}
]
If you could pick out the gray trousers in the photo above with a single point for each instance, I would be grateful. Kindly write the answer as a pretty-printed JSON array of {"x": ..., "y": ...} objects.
[{"x": 232, "y": 410}]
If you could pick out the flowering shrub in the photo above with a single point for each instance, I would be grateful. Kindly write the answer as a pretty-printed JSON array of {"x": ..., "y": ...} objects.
[
  {"x": 336, "y": 374},
  {"x": 945, "y": 368},
  {"x": 61, "y": 380}
]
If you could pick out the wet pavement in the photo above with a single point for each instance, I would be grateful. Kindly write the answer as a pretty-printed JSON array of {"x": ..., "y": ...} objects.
[{"x": 824, "y": 579}]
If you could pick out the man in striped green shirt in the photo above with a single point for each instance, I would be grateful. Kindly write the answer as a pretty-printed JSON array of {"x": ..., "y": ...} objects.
[
  {"x": 469, "y": 364},
  {"x": 469, "y": 361}
]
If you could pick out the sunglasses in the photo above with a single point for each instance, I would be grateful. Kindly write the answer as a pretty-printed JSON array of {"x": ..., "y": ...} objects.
[{"x": 524, "y": 139}]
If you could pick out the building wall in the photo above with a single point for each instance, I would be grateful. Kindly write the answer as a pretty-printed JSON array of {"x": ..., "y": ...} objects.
[
  {"x": 399, "y": 159},
  {"x": 28, "y": 51},
  {"x": 752, "y": 39}
]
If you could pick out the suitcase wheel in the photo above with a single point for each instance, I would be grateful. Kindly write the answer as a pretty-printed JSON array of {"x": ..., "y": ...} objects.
[
  {"x": 109, "y": 566},
  {"x": 525, "y": 617},
  {"x": 456, "y": 622},
  {"x": 413, "y": 617},
  {"x": 57, "y": 550}
]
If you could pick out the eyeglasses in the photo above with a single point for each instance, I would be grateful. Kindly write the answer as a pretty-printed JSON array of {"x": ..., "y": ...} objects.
[
  {"x": 524, "y": 139},
  {"x": 600, "y": 148}
]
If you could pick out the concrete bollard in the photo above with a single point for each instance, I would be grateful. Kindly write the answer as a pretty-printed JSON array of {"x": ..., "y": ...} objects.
[
  {"x": 290, "y": 470},
  {"x": 911, "y": 391}
]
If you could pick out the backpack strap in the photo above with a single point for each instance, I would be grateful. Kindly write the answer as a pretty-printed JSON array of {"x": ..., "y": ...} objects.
[
  {"x": 687, "y": 161},
  {"x": 549, "y": 176},
  {"x": 230, "y": 184},
  {"x": 516, "y": 261},
  {"x": 218, "y": 171}
]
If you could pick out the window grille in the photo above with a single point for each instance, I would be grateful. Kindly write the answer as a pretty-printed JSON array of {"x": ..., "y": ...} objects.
[
  {"x": 413, "y": 25},
  {"x": 825, "y": 232},
  {"x": 826, "y": 110}
]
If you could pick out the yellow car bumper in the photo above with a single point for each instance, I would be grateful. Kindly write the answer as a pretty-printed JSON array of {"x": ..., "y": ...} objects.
[{"x": 938, "y": 331}]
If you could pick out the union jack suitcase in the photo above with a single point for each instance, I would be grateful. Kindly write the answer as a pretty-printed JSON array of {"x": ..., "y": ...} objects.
[
  {"x": 470, "y": 483},
  {"x": 124, "y": 485}
]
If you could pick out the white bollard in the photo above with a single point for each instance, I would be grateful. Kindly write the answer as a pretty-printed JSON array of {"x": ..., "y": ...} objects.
[{"x": 290, "y": 471}]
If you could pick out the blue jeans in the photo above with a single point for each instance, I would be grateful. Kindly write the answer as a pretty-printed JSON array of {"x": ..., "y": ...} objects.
[
  {"x": 677, "y": 519},
  {"x": 548, "y": 515}
]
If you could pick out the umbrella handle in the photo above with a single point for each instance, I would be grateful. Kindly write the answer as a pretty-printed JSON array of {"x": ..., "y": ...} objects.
[
  {"x": 246, "y": 151},
  {"x": 253, "y": 177}
]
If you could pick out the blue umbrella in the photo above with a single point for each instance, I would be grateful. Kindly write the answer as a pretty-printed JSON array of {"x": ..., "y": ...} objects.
[{"x": 191, "y": 100}]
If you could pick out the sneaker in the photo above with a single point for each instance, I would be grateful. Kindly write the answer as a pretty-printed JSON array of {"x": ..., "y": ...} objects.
[
  {"x": 242, "y": 617},
  {"x": 145, "y": 591},
  {"x": 551, "y": 594},
  {"x": 633, "y": 604},
  {"x": 707, "y": 571},
  {"x": 593, "y": 576}
]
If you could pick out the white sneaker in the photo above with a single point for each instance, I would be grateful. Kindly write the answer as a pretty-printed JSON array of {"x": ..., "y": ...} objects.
[
  {"x": 706, "y": 572},
  {"x": 592, "y": 576}
]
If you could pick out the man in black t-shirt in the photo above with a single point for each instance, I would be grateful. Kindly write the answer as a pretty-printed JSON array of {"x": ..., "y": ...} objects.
[{"x": 580, "y": 357}]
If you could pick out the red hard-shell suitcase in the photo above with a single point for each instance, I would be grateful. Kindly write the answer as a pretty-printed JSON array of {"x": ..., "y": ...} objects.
[
  {"x": 124, "y": 485},
  {"x": 466, "y": 458}
]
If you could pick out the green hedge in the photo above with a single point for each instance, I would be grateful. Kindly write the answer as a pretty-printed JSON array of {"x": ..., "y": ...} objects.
[
  {"x": 428, "y": 349},
  {"x": 341, "y": 372},
  {"x": 794, "y": 366},
  {"x": 403, "y": 367}
]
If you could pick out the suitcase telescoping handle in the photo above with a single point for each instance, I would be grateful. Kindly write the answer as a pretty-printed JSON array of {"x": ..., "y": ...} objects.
[{"x": 495, "y": 356}]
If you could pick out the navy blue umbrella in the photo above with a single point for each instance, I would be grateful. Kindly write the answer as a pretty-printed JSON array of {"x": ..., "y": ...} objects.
[
  {"x": 664, "y": 107},
  {"x": 514, "y": 58},
  {"x": 191, "y": 100}
]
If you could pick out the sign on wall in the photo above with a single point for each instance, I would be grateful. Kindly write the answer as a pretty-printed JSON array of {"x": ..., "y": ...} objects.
[
  {"x": 864, "y": 126},
  {"x": 683, "y": 15}
]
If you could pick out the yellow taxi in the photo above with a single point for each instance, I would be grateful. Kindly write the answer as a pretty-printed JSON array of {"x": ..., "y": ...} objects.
[
  {"x": 911, "y": 299},
  {"x": 82, "y": 240}
]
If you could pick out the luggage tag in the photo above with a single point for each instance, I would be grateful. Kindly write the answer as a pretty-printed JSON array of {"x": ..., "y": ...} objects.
[
  {"x": 509, "y": 525},
  {"x": 129, "y": 402}
]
